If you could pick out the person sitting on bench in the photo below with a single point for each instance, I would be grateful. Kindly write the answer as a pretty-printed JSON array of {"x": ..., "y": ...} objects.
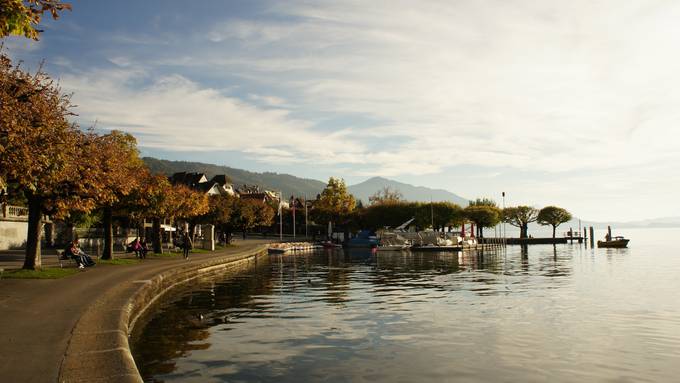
[{"x": 82, "y": 259}]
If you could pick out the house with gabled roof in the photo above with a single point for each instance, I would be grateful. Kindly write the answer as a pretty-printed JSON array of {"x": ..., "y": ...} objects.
[{"x": 192, "y": 180}]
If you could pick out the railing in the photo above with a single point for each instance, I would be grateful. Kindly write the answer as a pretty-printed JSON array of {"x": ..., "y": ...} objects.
[{"x": 9, "y": 211}]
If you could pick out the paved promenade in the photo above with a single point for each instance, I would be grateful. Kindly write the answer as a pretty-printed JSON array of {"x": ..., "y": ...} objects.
[{"x": 66, "y": 329}]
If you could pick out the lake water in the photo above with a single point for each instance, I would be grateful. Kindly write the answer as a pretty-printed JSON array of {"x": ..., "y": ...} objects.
[{"x": 557, "y": 314}]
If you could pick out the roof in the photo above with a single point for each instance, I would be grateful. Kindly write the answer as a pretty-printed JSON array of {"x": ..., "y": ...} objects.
[
  {"x": 257, "y": 196},
  {"x": 221, "y": 179},
  {"x": 188, "y": 179}
]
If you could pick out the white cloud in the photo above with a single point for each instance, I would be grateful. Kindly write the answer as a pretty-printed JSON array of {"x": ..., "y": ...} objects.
[
  {"x": 404, "y": 88},
  {"x": 534, "y": 85},
  {"x": 174, "y": 113}
]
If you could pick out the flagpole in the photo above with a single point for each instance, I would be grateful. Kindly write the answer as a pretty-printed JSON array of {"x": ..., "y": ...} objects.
[
  {"x": 293, "y": 217},
  {"x": 306, "y": 234},
  {"x": 280, "y": 216}
]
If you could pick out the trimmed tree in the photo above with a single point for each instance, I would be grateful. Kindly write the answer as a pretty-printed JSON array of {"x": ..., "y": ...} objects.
[
  {"x": 553, "y": 216},
  {"x": 484, "y": 213},
  {"x": 520, "y": 216}
]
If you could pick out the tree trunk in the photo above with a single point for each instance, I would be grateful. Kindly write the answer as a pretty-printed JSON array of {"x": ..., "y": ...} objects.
[
  {"x": 481, "y": 231},
  {"x": 554, "y": 228},
  {"x": 524, "y": 228},
  {"x": 156, "y": 236},
  {"x": 108, "y": 233},
  {"x": 33, "y": 260}
]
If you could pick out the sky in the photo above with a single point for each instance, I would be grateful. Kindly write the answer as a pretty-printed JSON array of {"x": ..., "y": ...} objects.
[{"x": 568, "y": 103}]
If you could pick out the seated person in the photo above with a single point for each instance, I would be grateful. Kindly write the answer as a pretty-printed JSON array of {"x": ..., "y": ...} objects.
[
  {"x": 81, "y": 258},
  {"x": 143, "y": 249},
  {"x": 135, "y": 246}
]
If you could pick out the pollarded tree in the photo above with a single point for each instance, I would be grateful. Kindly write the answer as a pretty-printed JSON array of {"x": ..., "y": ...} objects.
[
  {"x": 42, "y": 155},
  {"x": 484, "y": 213},
  {"x": 378, "y": 216},
  {"x": 21, "y": 17},
  {"x": 520, "y": 216},
  {"x": 553, "y": 216},
  {"x": 439, "y": 214}
]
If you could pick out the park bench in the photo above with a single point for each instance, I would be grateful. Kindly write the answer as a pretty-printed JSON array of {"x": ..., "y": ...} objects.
[{"x": 62, "y": 259}]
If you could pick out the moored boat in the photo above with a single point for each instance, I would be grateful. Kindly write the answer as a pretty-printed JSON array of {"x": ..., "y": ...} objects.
[
  {"x": 616, "y": 242},
  {"x": 395, "y": 247}
]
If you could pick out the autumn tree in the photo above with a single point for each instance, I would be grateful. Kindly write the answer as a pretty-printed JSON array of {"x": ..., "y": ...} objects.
[
  {"x": 520, "y": 216},
  {"x": 41, "y": 153},
  {"x": 189, "y": 204},
  {"x": 250, "y": 213},
  {"x": 334, "y": 204},
  {"x": 220, "y": 213},
  {"x": 484, "y": 213},
  {"x": 439, "y": 215},
  {"x": 120, "y": 169},
  {"x": 386, "y": 196},
  {"x": 22, "y": 17},
  {"x": 553, "y": 216},
  {"x": 153, "y": 199}
]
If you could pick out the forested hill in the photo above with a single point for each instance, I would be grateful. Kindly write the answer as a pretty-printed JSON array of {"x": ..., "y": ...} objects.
[{"x": 286, "y": 183}]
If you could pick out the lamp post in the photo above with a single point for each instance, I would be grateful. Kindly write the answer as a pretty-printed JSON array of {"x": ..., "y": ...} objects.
[
  {"x": 280, "y": 216},
  {"x": 504, "y": 239}
]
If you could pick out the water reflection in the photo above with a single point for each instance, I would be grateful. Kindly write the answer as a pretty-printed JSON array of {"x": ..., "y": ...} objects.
[{"x": 534, "y": 314}]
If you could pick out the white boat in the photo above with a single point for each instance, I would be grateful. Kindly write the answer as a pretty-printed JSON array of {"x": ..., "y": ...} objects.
[{"x": 395, "y": 247}]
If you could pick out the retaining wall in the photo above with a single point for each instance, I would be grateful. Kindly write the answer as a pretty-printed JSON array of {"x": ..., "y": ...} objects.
[{"x": 99, "y": 350}]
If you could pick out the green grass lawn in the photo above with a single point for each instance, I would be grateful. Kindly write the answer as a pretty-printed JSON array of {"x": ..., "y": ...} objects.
[{"x": 45, "y": 273}]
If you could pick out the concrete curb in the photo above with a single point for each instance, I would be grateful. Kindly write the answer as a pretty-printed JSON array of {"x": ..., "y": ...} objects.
[{"x": 99, "y": 349}]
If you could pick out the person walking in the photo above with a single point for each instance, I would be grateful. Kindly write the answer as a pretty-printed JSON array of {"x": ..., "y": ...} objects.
[{"x": 187, "y": 245}]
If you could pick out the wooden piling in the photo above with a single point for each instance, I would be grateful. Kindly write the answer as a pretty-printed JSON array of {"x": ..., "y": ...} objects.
[{"x": 592, "y": 237}]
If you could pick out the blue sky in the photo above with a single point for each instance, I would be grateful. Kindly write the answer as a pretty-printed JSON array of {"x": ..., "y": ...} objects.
[{"x": 566, "y": 103}]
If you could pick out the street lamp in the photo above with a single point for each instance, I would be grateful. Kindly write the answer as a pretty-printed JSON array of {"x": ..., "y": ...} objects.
[{"x": 504, "y": 240}]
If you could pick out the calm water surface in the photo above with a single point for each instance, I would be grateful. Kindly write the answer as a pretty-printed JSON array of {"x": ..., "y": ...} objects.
[{"x": 558, "y": 314}]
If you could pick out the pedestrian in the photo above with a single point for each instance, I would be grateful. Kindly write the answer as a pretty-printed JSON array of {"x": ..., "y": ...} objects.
[
  {"x": 143, "y": 248},
  {"x": 187, "y": 245}
]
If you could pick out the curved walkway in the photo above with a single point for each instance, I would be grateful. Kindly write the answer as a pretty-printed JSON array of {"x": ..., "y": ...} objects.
[{"x": 75, "y": 329}]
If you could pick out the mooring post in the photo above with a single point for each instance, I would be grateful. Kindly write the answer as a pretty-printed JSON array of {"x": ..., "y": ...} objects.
[{"x": 592, "y": 237}]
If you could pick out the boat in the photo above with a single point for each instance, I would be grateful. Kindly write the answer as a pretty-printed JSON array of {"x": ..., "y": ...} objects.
[
  {"x": 364, "y": 239},
  {"x": 330, "y": 245},
  {"x": 394, "y": 247},
  {"x": 616, "y": 243}
]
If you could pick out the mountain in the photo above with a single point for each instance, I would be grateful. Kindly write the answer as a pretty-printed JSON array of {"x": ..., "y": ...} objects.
[
  {"x": 291, "y": 185},
  {"x": 286, "y": 183},
  {"x": 369, "y": 187},
  {"x": 647, "y": 223}
]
